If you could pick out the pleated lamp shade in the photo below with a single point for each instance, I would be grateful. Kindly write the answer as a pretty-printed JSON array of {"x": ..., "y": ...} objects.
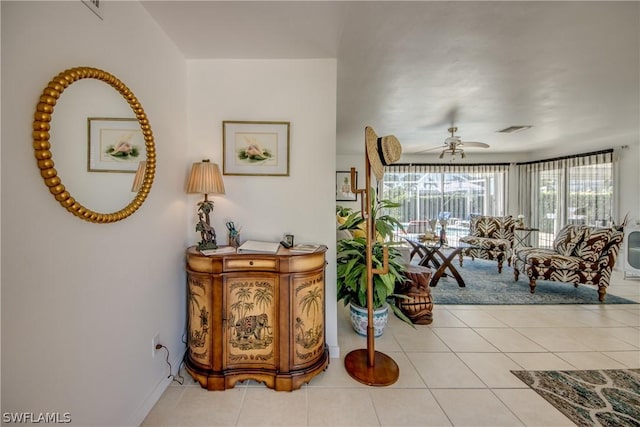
[
  {"x": 205, "y": 178},
  {"x": 139, "y": 178}
]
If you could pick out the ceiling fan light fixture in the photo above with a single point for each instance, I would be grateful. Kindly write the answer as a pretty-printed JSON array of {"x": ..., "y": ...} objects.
[
  {"x": 452, "y": 140},
  {"x": 454, "y": 145}
]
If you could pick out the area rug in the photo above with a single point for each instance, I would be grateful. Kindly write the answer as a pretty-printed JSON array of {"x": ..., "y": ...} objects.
[
  {"x": 485, "y": 286},
  {"x": 590, "y": 398}
]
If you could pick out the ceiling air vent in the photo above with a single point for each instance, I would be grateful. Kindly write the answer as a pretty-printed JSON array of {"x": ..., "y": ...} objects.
[
  {"x": 95, "y": 6},
  {"x": 514, "y": 129}
]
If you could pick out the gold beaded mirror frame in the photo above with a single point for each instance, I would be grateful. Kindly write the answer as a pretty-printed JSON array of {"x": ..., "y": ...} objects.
[{"x": 42, "y": 144}]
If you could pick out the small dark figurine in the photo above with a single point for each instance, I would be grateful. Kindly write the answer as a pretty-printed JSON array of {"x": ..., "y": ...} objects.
[{"x": 204, "y": 227}]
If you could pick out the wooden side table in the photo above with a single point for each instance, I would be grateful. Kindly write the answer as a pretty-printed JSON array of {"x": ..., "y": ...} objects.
[
  {"x": 256, "y": 316},
  {"x": 418, "y": 304}
]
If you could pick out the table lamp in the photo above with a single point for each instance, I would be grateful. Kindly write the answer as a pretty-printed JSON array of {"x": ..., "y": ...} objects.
[{"x": 205, "y": 178}]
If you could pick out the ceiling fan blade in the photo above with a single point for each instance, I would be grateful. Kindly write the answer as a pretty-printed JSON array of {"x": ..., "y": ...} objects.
[
  {"x": 440, "y": 147},
  {"x": 474, "y": 144}
]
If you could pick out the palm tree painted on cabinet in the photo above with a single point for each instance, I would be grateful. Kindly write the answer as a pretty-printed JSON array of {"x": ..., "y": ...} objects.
[
  {"x": 243, "y": 295},
  {"x": 310, "y": 303},
  {"x": 263, "y": 298},
  {"x": 198, "y": 333}
]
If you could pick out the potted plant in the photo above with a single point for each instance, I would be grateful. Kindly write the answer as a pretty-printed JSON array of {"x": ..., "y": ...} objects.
[{"x": 352, "y": 268}]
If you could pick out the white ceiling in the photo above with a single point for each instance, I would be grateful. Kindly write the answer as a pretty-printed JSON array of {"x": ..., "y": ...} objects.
[{"x": 569, "y": 69}]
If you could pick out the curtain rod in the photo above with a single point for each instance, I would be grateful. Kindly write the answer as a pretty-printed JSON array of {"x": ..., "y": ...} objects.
[
  {"x": 450, "y": 164},
  {"x": 574, "y": 156}
]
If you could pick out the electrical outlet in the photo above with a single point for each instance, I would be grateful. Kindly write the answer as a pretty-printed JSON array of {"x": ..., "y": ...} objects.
[{"x": 154, "y": 342}]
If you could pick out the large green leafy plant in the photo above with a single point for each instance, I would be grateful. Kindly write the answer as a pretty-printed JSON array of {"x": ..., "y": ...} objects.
[
  {"x": 352, "y": 262},
  {"x": 385, "y": 225}
]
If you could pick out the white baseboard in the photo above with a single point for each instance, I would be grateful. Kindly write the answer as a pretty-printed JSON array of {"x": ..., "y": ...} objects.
[
  {"x": 139, "y": 415},
  {"x": 334, "y": 352}
]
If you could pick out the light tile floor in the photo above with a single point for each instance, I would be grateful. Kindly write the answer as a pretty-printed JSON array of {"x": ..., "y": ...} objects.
[{"x": 455, "y": 371}]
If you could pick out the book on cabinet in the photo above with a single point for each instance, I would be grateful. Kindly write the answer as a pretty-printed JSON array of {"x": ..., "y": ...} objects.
[{"x": 258, "y": 247}]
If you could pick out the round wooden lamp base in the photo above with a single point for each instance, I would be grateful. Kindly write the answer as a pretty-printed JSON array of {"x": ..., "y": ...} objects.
[{"x": 384, "y": 371}]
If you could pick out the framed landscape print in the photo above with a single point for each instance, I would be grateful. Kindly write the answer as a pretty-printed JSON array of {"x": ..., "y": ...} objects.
[
  {"x": 255, "y": 148},
  {"x": 343, "y": 187},
  {"x": 115, "y": 145}
]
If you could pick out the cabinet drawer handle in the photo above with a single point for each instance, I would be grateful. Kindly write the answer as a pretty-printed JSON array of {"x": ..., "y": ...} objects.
[{"x": 250, "y": 262}]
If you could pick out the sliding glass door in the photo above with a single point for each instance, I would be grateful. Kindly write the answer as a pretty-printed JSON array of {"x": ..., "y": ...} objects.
[{"x": 573, "y": 190}]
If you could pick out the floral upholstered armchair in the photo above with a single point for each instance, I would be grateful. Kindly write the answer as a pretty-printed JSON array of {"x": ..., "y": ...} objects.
[
  {"x": 580, "y": 255},
  {"x": 491, "y": 238}
]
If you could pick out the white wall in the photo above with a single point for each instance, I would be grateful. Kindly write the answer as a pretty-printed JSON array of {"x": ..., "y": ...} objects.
[
  {"x": 80, "y": 301},
  {"x": 302, "y": 92}
]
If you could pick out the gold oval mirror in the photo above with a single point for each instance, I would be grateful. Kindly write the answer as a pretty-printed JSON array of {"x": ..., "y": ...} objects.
[{"x": 42, "y": 144}]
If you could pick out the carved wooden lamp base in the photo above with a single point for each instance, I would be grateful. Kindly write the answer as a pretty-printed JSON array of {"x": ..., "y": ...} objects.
[{"x": 384, "y": 371}]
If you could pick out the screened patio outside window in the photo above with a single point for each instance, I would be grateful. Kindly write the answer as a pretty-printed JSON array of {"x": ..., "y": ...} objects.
[{"x": 444, "y": 192}]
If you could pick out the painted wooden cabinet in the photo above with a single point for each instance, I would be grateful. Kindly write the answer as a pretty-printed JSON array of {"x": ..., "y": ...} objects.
[{"x": 256, "y": 316}]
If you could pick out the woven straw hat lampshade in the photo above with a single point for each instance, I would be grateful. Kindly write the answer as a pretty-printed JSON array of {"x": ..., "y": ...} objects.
[{"x": 205, "y": 178}]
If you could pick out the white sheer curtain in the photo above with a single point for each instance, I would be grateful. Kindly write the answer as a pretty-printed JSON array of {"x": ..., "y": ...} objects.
[
  {"x": 577, "y": 189},
  {"x": 427, "y": 191}
]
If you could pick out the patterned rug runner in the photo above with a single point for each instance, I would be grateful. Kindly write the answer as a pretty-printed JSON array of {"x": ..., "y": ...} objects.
[
  {"x": 485, "y": 286},
  {"x": 590, "y": 398}
]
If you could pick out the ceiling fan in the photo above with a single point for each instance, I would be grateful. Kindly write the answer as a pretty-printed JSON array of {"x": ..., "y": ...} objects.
[{"x": 454, "y": 145}]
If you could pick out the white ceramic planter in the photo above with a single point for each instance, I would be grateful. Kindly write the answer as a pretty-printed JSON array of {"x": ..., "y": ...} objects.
[{"x": 359, "y": 319}]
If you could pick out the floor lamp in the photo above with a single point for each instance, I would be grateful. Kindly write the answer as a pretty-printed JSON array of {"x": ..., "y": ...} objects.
[{"x": 369, "y": 366}]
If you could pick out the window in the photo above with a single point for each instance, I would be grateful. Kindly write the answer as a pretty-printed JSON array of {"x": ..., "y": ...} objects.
[
  {"x": 450, "y": 192},
  {"x": 571, "y": 190}
]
